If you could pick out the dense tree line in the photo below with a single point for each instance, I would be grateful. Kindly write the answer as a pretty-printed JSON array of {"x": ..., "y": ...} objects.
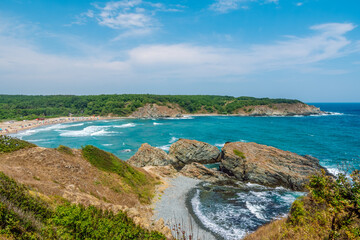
[{"x": 30, "y": 107}]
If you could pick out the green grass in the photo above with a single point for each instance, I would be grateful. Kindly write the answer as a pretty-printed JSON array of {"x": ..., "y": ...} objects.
[
  {"x": 10, "y": 144},
  {"x": 239, "y": 154},
  {"x": 65, "y": 149},
  {"x": 23, "y": 216},
  {"x": 140, "y": 183}
]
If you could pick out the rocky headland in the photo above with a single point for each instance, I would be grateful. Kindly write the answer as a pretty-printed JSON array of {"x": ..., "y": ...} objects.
[{"x": 277, "y": 109}]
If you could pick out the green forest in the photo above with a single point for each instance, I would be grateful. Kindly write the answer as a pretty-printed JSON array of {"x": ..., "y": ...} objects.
[{"x": 30, "y": 107}]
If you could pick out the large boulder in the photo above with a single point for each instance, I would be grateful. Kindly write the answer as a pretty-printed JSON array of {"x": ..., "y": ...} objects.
[
  {"x": 199, "y": 171},
  {"x": 150, "y": 156},
  {"x": 187, "y": 151},
  {"x": 261, "y": 164}
]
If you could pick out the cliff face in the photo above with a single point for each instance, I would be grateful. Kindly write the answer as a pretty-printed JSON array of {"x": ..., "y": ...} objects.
[
  {"x": 157, "y": 111},
  {"x": 280, "y": 109}
]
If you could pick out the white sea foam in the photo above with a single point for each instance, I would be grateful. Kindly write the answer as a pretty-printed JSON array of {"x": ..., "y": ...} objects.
[
  {"x": 107, "y": 144},
  {"x": 165, "y": 147},
  {"x": 156, "y": 123},
  {"x": 180, "y": 118},
  {"x": 219, "y": 144},
  {"x": 334, "y": 171},
  {"x": 38, "y": 140},
  {"x": 288, "y": 198},
  {"x": 126, "y": 125},
  {"x": 327, "y": 114},
  {"x": 256, "y": 210},
  {"x": 173, "y": 139},
  {"x": 55, "y": 127},
  {"x": 231, "y": 233},
  {"x": 126, "y": 150},
  {"x": 88, "y": 131}
]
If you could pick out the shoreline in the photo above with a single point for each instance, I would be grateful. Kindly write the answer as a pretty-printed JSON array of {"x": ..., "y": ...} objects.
[
  {"x": 173, "y": 209},
  {"x": 11, "y": 127}
]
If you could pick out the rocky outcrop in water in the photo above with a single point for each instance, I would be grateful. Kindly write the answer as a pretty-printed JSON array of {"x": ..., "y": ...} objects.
[
  {"x": 157, "y": 111},
  {"x": 150, "y": 156},
  {"x": 261, "y": 164},
  {"x": 188, "y": 151}
]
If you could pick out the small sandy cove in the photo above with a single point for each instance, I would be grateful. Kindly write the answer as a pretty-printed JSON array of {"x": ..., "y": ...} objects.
[{"x": 9, "y": 127}]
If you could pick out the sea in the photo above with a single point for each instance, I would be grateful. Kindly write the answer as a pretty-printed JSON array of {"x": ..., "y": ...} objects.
[{"x": 228, "y": 212}]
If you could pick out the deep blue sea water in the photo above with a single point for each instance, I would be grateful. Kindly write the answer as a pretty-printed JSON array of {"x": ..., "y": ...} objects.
[{"x": 229, "y": 212}]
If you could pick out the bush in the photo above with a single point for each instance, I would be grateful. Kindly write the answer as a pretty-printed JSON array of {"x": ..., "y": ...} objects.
[
  {"x": 65, "y": 149},
  {"x": 10, "y": 144}
]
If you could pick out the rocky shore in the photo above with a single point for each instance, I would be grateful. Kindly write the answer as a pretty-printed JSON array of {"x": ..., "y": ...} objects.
[{"x": 238, "y": 161}]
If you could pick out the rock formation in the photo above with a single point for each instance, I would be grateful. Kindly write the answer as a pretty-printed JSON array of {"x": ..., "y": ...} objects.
[
  {"x": 279, "y": 109},
  {"x": 188, "y": 151},
  {"x": 199, "y": 171},
  {"x": 261, "y": 164},
  {"x": 157, "y": 111},
  {"x": 150, "y": 156}
]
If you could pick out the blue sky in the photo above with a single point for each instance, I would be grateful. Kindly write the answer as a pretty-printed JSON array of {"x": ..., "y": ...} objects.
[{"x": 303, "y": 49}]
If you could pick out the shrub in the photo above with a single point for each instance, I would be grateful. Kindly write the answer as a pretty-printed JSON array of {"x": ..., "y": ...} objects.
[
  {"x": 65, "y": 149},
  {"x": 10, "y": 144}
]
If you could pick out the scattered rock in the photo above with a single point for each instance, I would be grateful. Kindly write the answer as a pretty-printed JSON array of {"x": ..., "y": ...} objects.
[
  {"x": 265, "y": 165},
  {"x": 150, "y": 156},
  {"x": 187, "y": 151}
]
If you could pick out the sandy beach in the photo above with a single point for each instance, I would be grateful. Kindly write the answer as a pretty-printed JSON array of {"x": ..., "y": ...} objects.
[
  {"x": 9, "y": 127},
  {"x": 172, "y": 208}
]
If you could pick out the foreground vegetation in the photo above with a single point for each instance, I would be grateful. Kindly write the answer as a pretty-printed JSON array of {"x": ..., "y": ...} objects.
[
  {"x": 9, "y": 144},
  {"x": 23, "y": 216},
  {"x": 330, "y": 211},
  {"x": 30, "y": 107}
]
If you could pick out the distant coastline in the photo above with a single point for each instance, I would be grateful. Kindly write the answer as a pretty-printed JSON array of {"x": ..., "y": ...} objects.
[{"x": 11, "y": 127}]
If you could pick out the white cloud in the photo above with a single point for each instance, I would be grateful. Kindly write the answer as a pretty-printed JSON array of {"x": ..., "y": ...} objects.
[
  {"x": 22, "y": 63},
  {"x": 131, "y": 17},
  {"x": 224, "y": 6}
]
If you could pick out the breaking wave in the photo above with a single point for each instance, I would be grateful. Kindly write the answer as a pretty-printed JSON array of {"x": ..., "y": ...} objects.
[
  {"x": 126, "y": 125},
  {"x": 88, "y": 131}
]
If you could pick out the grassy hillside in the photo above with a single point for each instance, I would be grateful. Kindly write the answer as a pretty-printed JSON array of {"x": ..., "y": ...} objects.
[
  {"x": 23, "y": 216},
  {"x": 139, "y": 182},
  {"x": 44, "y": 213},
  {"x": 330, "y": 211},
  {"x": 30, "y": 107}
]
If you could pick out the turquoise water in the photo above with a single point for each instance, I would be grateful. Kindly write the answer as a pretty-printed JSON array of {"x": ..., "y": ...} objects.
[{"x": 334, "y": 139}]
